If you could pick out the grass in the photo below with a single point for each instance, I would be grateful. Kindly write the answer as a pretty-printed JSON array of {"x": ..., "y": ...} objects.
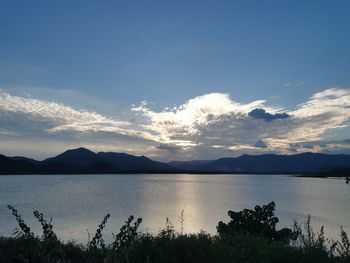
[{"x": 249, "y": 236}]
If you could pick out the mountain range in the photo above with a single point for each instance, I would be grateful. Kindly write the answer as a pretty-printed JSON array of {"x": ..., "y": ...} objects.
[
  {"x": 84, "y": 161},
  {"x": 80, "y": 161},
  {"x": 270, "y": 163}
]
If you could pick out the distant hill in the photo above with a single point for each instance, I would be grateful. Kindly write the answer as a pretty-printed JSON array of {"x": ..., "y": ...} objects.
[
  {"x": 123, "y": 161},
  {"x": 20, "y": 158},
  {"x": 17, "y": 166},
  {"x": 79, "y": 157},
  {"x": 81, "y": 160},
  {"x": 330, "y": 172},
  {"x": 272, "y": 163}
]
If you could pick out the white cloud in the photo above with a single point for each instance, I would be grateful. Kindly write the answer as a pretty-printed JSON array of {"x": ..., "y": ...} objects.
[
  {"x": 187, "y": 119},
  {"x": 57, "y": 117},
  {"x": 324, "y": 111}
]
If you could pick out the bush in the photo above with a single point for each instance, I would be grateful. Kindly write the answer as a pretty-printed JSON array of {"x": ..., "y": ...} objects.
[
  {"x": 261, "y": 222},
  {"x": 250, "y": 236}
]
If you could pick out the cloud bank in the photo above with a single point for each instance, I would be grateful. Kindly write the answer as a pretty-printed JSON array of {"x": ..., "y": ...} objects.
[
  {"x": 208, "y": 126},
  {"x": 216, "y": 122}
]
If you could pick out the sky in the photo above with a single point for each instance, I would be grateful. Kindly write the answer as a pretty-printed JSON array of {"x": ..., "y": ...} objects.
[{"x": 174, "y": 80}]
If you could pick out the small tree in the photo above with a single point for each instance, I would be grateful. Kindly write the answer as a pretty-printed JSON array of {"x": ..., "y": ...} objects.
[{"x": 261, "y": 221}]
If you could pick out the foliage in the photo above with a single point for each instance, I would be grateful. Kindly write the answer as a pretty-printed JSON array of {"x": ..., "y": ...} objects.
[
  {"x": 168, "y": 232},
  {"x": 343, "y": 247},
  {"x": 48, "y": 234},
  {"x": 97, "y": 240},
  {"x": 308, "y": 239},
  {"x": 250, "y": 236},
  {"x": 261, "y": 221},
  {"x": 124, "y": 239},
  {"x": 23, "y": 230}
]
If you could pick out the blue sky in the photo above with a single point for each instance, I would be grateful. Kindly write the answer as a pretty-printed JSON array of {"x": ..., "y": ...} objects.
[{"x": 110, "y": 57}]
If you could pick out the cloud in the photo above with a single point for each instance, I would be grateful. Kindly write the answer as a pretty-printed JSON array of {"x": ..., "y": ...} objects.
[
  {"x": 168, "y": 147},
  {"x": 260, "y": 144},
  {"x": 57, "y": 117},
  {"x": 209, "y": 126},
  {"x": 262, "y": 114},
  {"x": 335, "y": 146},
  {"x": 295, "y": 84},
  {"x": 292, "y": 150},
  {"x": 216, "y": 122},
  {"x": 33, "y": 119},
  {"x": 189, "y": 117},
  {"x": 308, "y": 145}
]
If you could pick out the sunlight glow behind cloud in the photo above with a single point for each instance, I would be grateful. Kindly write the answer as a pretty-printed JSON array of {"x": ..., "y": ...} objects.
[{"x": 219, "y": 122}]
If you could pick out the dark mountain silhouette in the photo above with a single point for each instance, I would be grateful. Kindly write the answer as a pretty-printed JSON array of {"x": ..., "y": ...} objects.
[
  {"x": 17, "y": 166},
  {"x": 21, "y": 158},
  {"x": 272, "y": 163},
  {"x": 71, "y": 161},
  {"x": 340, "y": 171},
  {"x": 79, "y": 157},
  {"x": 81, "y": 160},
  {"x": 123, "y": 161}
]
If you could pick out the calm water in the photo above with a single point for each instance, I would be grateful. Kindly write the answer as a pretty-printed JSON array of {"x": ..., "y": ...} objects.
[{"x": 77, "y": 203}]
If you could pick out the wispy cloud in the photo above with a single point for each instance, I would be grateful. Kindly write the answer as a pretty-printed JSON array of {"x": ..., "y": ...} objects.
[
  {"x": 54, "y": 117},
  {"x": 294, "y": 84}
]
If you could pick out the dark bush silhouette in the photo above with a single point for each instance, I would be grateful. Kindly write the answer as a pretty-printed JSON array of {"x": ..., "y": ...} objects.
[
  {"x": 97, "y": 240},
  {"x": 23, "y": 230},
  {"x": 261, "y": 221},
  {"x": 124, "y": 240}
]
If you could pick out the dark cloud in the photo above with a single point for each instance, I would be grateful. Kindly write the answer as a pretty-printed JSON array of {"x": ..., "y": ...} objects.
[
  {"x": 26, "y": 124},
  {"x": 294, "y": 147},
  {"x": 260, "y": 144},
  {"x": 168, "y": 147},
  {"x": 308, "y": 145},
  {"x": 321, "y": 144},
  {"x": 262, "y": 114},
  {"x": 346, "y": 141},
  {"x": 292, "y": 150}
]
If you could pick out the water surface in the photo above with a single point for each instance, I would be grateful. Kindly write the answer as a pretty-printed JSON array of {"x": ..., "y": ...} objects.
[{"x": 77, "y": 203}]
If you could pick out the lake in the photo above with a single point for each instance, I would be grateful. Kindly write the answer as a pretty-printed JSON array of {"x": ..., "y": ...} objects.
[{"x": 77, "y": 203}]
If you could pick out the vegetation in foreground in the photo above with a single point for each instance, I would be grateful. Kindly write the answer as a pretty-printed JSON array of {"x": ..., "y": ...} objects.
[{"x": 250, "y": 236}]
